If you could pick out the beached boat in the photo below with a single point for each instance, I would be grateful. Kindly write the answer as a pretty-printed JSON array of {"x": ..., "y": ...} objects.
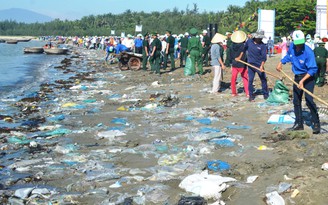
[
  {"x": 57, "y": 51},
  {"x": 11, "y": 41},
  {"x": 24, "y": 40},
  {"x": 33, "y": 50}
]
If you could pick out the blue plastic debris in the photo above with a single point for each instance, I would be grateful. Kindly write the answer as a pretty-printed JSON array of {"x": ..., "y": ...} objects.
[
  {"x": 218, "y": 165},
  {"x": 204, "y": 121},
  {"x": 223, "y": 142},
  {"x": 80, "y": 106},
  {"x": 119, "y": 121},
  {"x": 117, "y": 128},
  {"x": 208, "y": 130},
  {"x": 58, "y": 132},
  {"x": 189, "y": 118},
  {"x": 115, "y": 96},
  {"x": 84, "y": 88},
  {"x": 89, "y": 100},
  {"x": 238, "y": 127},
  {"x": 56, "y": 118}
]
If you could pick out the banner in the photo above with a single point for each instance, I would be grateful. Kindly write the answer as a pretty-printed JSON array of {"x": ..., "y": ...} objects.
[
  {"x": 112, "y": 32},
  {"x": 138, "y": 28},
  {"x": 266, "y": 22}
]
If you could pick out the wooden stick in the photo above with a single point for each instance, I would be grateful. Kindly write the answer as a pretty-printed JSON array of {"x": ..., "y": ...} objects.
[
  {"x": 267, "y": 72},
  {"x": 305, "y": 90}
]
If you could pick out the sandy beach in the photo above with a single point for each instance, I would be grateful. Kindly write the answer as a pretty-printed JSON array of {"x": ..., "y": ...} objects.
[{"x": 133, "y": 136}]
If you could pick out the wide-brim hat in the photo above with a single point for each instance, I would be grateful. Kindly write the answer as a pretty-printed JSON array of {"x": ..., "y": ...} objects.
[
  {"x": 258, "y": 34},
  {"x": 238, "y": 37},
  {"x": 193, "y": 31},
  {"x": 146, "y": 34},
  {"x": 218, "y": 38}
]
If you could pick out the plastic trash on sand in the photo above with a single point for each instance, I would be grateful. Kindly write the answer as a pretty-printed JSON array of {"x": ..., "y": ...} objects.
[
  {"x": 110, "y": 134},
  {"x": 283, "y": 187},
  {"x": 204, "y": 121},
  {"x": 263, "y": 147},
  {"x": 171, "y": 159},
  {"x": 218, "y": 165},
  {"x": 18, "y": 140},
  {"x": 251, "y": 179},
  {"x": 325, "y": 166},
  {"x": 223, "y": 142},
  {"x": 58, "y": 132},
  {"x": 281, "y": 119},
  {"x": 273, "y": 198},
  {"x": 238, "y": 127},
  {"x": 206, "y": 185},
  {"x": 119, "y": 121},
  {"x": 192, "y": 200},
  {"x": 208, "y": 130}
]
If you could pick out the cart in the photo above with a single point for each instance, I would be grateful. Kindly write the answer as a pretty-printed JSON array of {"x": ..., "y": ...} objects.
[{"x": 129, "y": 60}]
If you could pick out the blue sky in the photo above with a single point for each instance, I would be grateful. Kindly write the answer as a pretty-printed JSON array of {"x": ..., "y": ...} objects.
[{"x": 75, "y": 9}]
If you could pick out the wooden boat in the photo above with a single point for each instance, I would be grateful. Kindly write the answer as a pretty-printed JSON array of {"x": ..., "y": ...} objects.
[
  {"x": 57, "y": 51},
  {"x": 11, "y": 41},
  {"x": 24, "y": 40},
  {"x": 33, "y": 50}
]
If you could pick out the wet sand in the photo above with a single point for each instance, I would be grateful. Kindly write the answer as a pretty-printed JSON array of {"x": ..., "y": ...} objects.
[{"x": 84, "y": 175}]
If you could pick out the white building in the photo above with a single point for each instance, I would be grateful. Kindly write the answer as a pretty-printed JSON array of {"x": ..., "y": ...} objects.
[{"x": 321, "y": 21}]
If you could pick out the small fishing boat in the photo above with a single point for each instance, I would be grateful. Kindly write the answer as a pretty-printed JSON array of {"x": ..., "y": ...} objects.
[
  {"x": 57, "y": 51},
  {"x": 24, "y": 40},
  {"x": 11, "y": 41},
  {"x": 33, "y": 50}
]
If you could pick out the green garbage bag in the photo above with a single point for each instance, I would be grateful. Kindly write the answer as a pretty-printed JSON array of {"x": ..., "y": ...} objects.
[
  {"x": 279, "y": 94},
  {"x": 187, "y": 68}
]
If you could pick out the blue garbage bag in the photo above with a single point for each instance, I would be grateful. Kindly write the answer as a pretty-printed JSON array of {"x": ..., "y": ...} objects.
[
  {"x": 205, "y": 130},
  {"x": 223, "y": 142},
  {"x": 218, "y": 165},
  {"x": 205, "y": 121}
]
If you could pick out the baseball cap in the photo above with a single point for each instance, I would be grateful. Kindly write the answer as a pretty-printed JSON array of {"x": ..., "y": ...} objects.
[{"x": 298, "y": 37}]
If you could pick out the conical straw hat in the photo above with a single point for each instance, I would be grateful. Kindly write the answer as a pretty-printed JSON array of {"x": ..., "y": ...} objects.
[
  {"x": 218, "y": 38},
  {"x": 238, "y": 37}
]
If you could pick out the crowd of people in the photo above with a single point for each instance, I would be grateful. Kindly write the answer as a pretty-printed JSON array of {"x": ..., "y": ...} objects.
[{"x": 244, "y": 53}]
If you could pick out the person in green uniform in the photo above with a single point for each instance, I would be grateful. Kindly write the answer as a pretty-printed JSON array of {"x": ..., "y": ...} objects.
[
  {"x": 145, "y": 51},
  {"x": 229, "y": 44},
  {"x": 206, "y": 47},
  {"x": 169, "y": 50},
  {"x": 321, "y": 55},
  {"x": 195, "y": 50},
  {"x": 155, "y": 54},
  {"x": 183, "y": 44}
]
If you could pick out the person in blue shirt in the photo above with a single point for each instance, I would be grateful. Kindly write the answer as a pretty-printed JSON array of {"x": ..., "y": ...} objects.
[
  {"x": 270, "y": 45},
  {"x": 138, "y": 44},
  {"x": 256, "y": 56},
  {"x": 304, "y": 68},
  {"x": 109, "y": 50},
  {"x": 119, "y": 48}
]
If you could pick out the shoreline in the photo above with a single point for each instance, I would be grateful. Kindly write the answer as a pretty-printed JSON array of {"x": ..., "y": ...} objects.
[{"x": 104, "y": 133}]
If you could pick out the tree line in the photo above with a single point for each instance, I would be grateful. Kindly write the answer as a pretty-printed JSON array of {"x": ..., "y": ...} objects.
[{"x": 290, "y": 15}]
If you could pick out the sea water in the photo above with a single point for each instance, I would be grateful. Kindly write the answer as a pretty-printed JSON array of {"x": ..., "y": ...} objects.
[{"x": 21, "y": 74}]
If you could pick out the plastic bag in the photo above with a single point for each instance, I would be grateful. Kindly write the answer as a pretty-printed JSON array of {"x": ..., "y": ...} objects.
[
  {"x": 187, "y": 68},
  {"x": 279, "y": 94}
]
